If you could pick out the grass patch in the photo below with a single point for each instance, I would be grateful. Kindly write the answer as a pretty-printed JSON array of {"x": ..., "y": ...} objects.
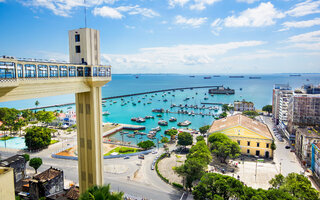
[
  {"x": 6, "y": 138},
  {"x": 53, "y": 141},
  {"x": 178, "y": 156},
  {"x": 122, "y": 150}
]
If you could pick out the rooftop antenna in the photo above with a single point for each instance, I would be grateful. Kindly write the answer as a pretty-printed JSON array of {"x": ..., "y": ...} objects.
[{"x": 85, "y": 13}]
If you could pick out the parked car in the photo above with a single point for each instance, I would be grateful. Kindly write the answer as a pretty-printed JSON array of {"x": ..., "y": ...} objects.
[
  {"x": 127, "y": 157},
  {"x": 287, "y": 147},
  {"x": 141, "y": 156},
  {"x": 152, "y": 167}
]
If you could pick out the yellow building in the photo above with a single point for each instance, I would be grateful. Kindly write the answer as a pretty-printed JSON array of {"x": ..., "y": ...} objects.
[
  {"x": 6, "y": 183},
  {"x": 253, "y": 137}
]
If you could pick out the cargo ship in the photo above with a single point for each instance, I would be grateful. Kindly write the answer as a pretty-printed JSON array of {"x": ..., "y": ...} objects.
[
  {"x": 254, "y": 77},
  {"x": 221, "y": 90}
]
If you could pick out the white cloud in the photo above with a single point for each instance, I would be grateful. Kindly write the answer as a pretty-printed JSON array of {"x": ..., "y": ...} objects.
[
  {"x": 301, "y": 24},
  {"x": 1, "y": 1},
  {"x": 216, "y": 26},
  {"x": 173, "y": 3},
  {"x": 137, "y": 10},
  {"x": 161, "y": 59},
  {"x": 306, "y": 37},
  {"x": 201, "y": 4},
  {"x": 263, "y": 15},
  {"x": 106, "y": 11},
  {"x": 308, "y": 46},
  {"x": 64, "y": 7},
  {"x": 304, "y": 8},
  {"x": 247, "y": 1},
  {"x": 130, "y": 27},
  {"x": 194, "y": 22}
]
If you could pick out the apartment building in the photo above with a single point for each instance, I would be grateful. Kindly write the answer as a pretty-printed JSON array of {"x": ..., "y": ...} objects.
[{"x": 243, "y": 106}]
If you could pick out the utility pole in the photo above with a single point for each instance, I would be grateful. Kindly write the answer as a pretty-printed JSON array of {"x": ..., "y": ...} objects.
[{"x": 256, "y": 170}]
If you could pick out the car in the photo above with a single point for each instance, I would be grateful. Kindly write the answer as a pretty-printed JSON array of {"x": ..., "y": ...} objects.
[
  {"x": 141, "y": 156},
  {"x": 152, "y": 167},
  {"x": 127, "y": 157},
  {"x": 287, "y": 147},
  {"x": 292, "y": 150},
  {"x": 154, "y": 152}
]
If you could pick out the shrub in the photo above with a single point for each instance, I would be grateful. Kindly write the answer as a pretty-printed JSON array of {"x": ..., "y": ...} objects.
[{"x": 177, "y": 185}]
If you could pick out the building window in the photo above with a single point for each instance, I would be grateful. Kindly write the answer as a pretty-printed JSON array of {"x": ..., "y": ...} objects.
[
  {"x": 238, "y": 142},
  {"x": 248, "y": 143},
  {"x": 77, "y": 38},
  {"x": 257, "y": 153},
  {"x": 248, "y": 151},
  {"x": 267, "y": 145},
  {"x": 258, "y": 144},
  {"x": 78, "y": 49}
]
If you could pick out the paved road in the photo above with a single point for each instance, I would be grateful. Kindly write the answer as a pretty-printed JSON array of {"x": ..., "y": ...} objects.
[
  {"x": 286, "y": 161},
  {"x": 150, "y": 186}
]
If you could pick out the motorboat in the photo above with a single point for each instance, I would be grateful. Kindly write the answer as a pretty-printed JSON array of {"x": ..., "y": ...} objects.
[
  {"x": 149, "y": 117},
  {"x": 157, "y": 129},
  {"x": 185, "y": 123},
  {"x": 172, "y": 119},
  {"x": 134, "y": 119},
  {"x": 140, "y": 120},
  {"x": 106, "y": 113},
  {"x": 163, "y": 123}
]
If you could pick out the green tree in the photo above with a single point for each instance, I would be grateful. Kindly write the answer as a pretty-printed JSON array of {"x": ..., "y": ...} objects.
[
  {"x": 35, "y": 163},
  {"x": 164, "y": 140},
  {"x": 37, "y": 103},
  {"x": 204, "y": 129},
  {"x": 101, "y": 193},
  {"x": 26, "y": 157},
  {"x": 223, "y": 147},
  {"x": 297, "y": 185},
  {"x": 214, "y": 186},
  {"x": 199, "y": 138},
  {"x": 273, "y": 146},
  {"x": 27, "y": 115},
  {"x": 8, "y": 116},
  {"x": 201, "y": 152},
  {"x": 267, "y": 108},
  {"x": 45, "y": 116},
  {"x": 192, "y": 170},
  {"x": 277, "y": 181},
  {"x": 37, "y": 137},
  {"x": 172, "y": 133},
  {"x": 251, "y": 114},
  {"x": 185, "y": 139},
  {"x": 223, "y": 115},
  {"x": 225, "y": 108},
  {"x": 146, "y": 144}
]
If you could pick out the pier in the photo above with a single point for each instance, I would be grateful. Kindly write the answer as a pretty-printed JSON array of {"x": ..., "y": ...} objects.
[{"x": 128, "y": 95}]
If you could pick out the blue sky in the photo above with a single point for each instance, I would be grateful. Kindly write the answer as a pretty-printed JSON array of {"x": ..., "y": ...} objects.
[{"x": 172, "y": 36}]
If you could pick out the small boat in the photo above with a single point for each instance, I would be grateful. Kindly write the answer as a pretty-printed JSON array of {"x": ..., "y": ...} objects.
[
  {"x": 307, "y": 79},
  {"x": 206, "y": 98},
  {"x": 140, "y": 133},
  {"x": 149, "y": 102},
  {"x": 191, "y": 76},
  {"x": 131, "y": 135},
  {"x": 103, "y": 105},
  {"x": 159, "y": 115},
  {"x": 106, "y": 113},
  {"x": 185, "y": 123},
  {"x": 163, "y": 123},
  {"x": 140, "y": 120},
  {"x": 134, "y": 119},
  {"x": 134, "y": 104},
  {"x": 150, "y": 136},
  {"x": 153, "y": 132},
  {"x": 157, "y": 129},
  {"x": 69, "y": 107},
  {"x": 186, "y": 99},
  {"x": 165, "y": 100},
  {"x": 124, "y": 132},
  {"x": 139, "y": 101},
  {"x": 207, "y": 77},
  {"x": 115, "y": 102},
  {"x": 137, "y": 76},
  {"x": 172, "y": 119},
  {"x": 240, "y": 89},
  {"x": 149, "y": 117},
  {"x": 104, "y": 101}
]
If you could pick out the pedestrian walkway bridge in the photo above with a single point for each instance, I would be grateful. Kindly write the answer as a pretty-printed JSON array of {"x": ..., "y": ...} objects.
[{"x": 23, "y": 79}]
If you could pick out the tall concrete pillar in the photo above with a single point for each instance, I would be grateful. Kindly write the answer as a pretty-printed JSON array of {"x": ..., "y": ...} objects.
[{"x": 89, "y": 127}]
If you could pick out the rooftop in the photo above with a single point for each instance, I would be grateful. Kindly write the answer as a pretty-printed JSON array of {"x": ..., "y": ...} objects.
[
  {"x": 310, "y": 131},
  {"x": 240, "y": 120},
  {"x": 47, "y": 175},
  {"x": 12, "y": 159}
]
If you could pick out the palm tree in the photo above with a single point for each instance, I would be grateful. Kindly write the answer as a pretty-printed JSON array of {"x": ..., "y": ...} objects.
[
  {"x": 101, "y": 193},
  {"x": 37, "y": 103}
]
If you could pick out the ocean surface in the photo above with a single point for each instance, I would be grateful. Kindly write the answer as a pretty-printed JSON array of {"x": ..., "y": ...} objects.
[{"x": 259, "y": 91}]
